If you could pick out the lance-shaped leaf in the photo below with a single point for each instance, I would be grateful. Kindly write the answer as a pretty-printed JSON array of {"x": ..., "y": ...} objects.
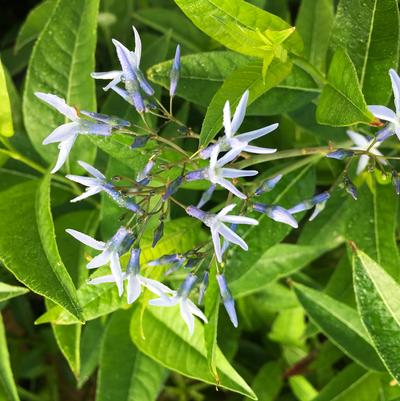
[
  {"x": 61, "y": 63},
  {"x": 248, "y": 77},
  {"x": 166, "y": 339},
  {"x": 236, "y": 24},
  {"x": 7, "y": 383},
  {"x": 25, "y": 249},
  {"x": 139, "y": 378},
  {"x": 369, "y": 31},
  {"x": 342, "y": 102},
  {"x": 11, "y": 291},
  {"x": 6, "y": 122},
  {"x": 341, "y": 324},
  {"x": 378, "y": 301}
]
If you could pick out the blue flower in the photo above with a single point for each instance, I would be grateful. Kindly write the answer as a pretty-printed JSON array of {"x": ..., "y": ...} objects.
[
  {"x": 174, "y": 75},
  {"x": 216, "y": 173},
  {"x": 268, "y": 185},
  {"x": 175, "y": 260},
  {"x": 98, "y": 183},
  {"x": 135, "y": 280},
  {"x": 111, "y": 252},
  {"x": 350, "y": 187},
  {"x": 340, "y": 154},
  {"x": 203, "y": 287},
  {"x": 386, "y": 114},
  {"x": 317, "y": 201},
  {"x": 235, "y": 144},
  {"x": 187, "y": 307},
  {"x": 227, "y": 299},
  {"x": 206, "y": 196},
  {"x": 66, "y": 134},
  {"x": 276, "y": 213},
  {"x": 217, "y": 227},
  {"x": 172, "y": 187}
]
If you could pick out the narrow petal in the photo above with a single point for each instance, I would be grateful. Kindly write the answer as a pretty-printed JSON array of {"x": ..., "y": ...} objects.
[
  {"x": 239, "y": 220},
  {"x": 91, "y": 170},
  {"x": 231, "y": 236},
  {"x": 240, "y": 112},
  {"x": 281, "y": 215},
  {"x": 226, "y": 210},
  {"x": 86, "y": 239},
  {"x": 396, "y": 88},
  {"x": 358, "y": 139},
  {"x": 115, "y": 266},
  {"x": 362, "y": 164},
  {"x": 214, "y": 157},
  {"x": 125, "y": 59},
  {"x": 134, "y": 288},
  {"x": 62, "y": 133},
  {"x": 383, "y": 113},
  {"x": 86, "y": 181},
  {"x": 164, "y": 301},
  {"x": 65, "y": 147},
  {"x": 89, "y": 192},
  {"x": 231, "y": 155},
  {"x": 258, "y": 133},
  {"x": 227, "y": 119},
  {"x": 196, "y": 311},
  {"x": 113, "y": 82},
  {"x": 102, "y": 279},
  {"x": 138, "y": 46},
  {"x": 123, "y": 93},
  {"x": 259, "y": 150},
  {"x": 217, "y": 244},
  {"x": 106, "y": 75},
  {"x": 235, "y": 173},
  {"x": 187, "y": 316},
  {"x": 156, "y": 287},
  {"x": 231, "y": 188},
  {"x": 100, "y": 260},
  {"x": 59, "y": 104}
]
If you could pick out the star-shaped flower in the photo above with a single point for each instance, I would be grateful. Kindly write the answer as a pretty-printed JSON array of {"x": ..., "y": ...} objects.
[
  {"x": 217, "y": 227},
  {"x": 362, "y": 143},
  {"x": 235, "y": 144},
  {"x": 111, "y": 252},
  {"x": 386, "y": 114},
  {"x": 66, "y": 134}
]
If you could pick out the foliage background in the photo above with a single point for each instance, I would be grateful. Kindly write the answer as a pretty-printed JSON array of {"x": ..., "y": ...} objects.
[{"x": 305, "y": 341}]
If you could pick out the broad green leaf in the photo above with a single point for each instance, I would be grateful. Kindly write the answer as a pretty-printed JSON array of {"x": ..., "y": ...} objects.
[
  {"x": 353, "y": 383},
  {"x": 237, "y": 24},
  {"x": 247, "y": 77},
  {"x": 302, "y": 388},
  {"x": 276, "y": 262},
  {"x": 7, "y": 382},
  {"x": 34, "y": 23},
  {"x": 342, "y": 102},
  {"x": 182, "y": 29},
  {"x": 314, "y": 23},
  {"x": 22, "y": 251},
  {"x": 289, "y": 327},
  {"x": 341, "y": 324},
  {"x": 369, "y": 31},
  {"x": 180, "y": 235},
  {"x": 293, "y": 188},
  {"x": 268, "y": 382},
  {"x": 139, "y": 377},
  {"x": 378, "y": 301},
  {"x": 203, "y": 73},
  {"x": 6, "y": 121},
  {"x": 61, "y": 62},
  {"x": 11, "y": 291},
  {"x": 162, "y": 334}
]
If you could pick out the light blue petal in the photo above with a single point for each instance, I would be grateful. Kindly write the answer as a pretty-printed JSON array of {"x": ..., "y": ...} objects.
[
  {"x": 240, "y": 112},
  {"x": 258, "y": 133},
  {"x": 59, "y": 104}
]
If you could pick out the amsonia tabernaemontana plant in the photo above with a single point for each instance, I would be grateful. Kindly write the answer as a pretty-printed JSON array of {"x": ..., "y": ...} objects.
[{"x": 199, "y": 200}]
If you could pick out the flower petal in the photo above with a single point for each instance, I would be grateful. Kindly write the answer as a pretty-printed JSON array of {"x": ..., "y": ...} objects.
[
  {"x": 109, "y": 278},
  {"x": 258, "y": 133},
  {"x": 229, "y": 156},
  {"x": 115, "y": 266},
  {"x": 358, "y": 139},
  {"x": 187, "y": 315},
  {"x": 240, "y": 112},
  {"x": 226, "y": 210},
  {"x": 196, "y": 311},
  {"x": 259, "y": 150},
  {"x": 106, "y": 75},
  {"x": 62, "y": 133},
  {"x": 227, "y": 119},
  {"x": 91, "y": 170},
  {"x": 89, "y": 192},
  {"x": 86, "y": 181},
  {"x": 235, "y": 173},
  {"x": 133, "y": 288},
  {"x": 138, "y": 46},
  {"x": 396, "y": 88},
  {"x": 101, "y": 259},
  {"x": 65, "y": 148},
  {"x": 59, "y": 104},
  {"x": 231, "y": 188},
  {"x": 362, "y": 164},
  {"x": 217, "y": 244},
  {"x": 383, "y": 113},
  {"x": 231, "y": 236},
  {"x": 113, "y": 82},
  {"x": 86, "y": 239},
  {"x": 239, "y": 220},
  {"x": 156, "y": 287}
]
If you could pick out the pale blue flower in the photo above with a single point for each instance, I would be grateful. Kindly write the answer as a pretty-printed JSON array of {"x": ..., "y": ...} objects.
[
  {"x": 349, "y": 187},
  {"x": 98, "y": 183},
  {"x": 175, "y": 260},
  {"x": 317, "y": 202},
  {"x": 206, "y": 196},
  {"x": 66, "y": 134},
  {"x": 174, "y": 75},
  {"x": 187, "y": 307},
  {"x": 227, "y": 299},
  {"x": 235, "y": 144},
  {"x": 362, "y": 143},
  {"x": 111, "y": 252},
  {"x": 268, "y": 185},
  {"x": 340, "y": 154},
  {"x": 203, "y": 288},
  {"x": 386, "y": 114},
  {"x": 135, "y": 281},
  {"x": 276, "y": 213},
  {"x": 216, "y": 173},
  {"x": 217, "y": 227}
]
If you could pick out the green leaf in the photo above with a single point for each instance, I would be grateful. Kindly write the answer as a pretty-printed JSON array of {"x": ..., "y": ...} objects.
[
  {"x": 369, "y": 31},
  {"x": 139, "y": 377},
  {"x": 61, "y": 63},
  {"x": 11, "y": 291},
  {"x": 244, "y": 78},
  {"x": 342, "y": 102},
  {"x": 282, "y": 260},
  {"x": 6, "y": 121},
  {"x": 314, "y": 23},
  {"x": 180, "y": 235},
  {"x": 236, "y": 24},
  {"x": 302, "y": 388},
  {"x": 162, "y": 334},
  {"x": 378, "y": 301},
  {"x": 289, "y": 327},
  {"x": 7, "y": 382},
  {"x": 34, "y": 23},
  {"x": 22, "y": 251},
  {"x": 341, "y": 324},
  {"x": 268, "y": 382},
  {"x": 353, "y": 383}
]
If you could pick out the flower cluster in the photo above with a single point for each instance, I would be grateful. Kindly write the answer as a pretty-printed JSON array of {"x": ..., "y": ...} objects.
[{"x": 145, "y": 199}]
